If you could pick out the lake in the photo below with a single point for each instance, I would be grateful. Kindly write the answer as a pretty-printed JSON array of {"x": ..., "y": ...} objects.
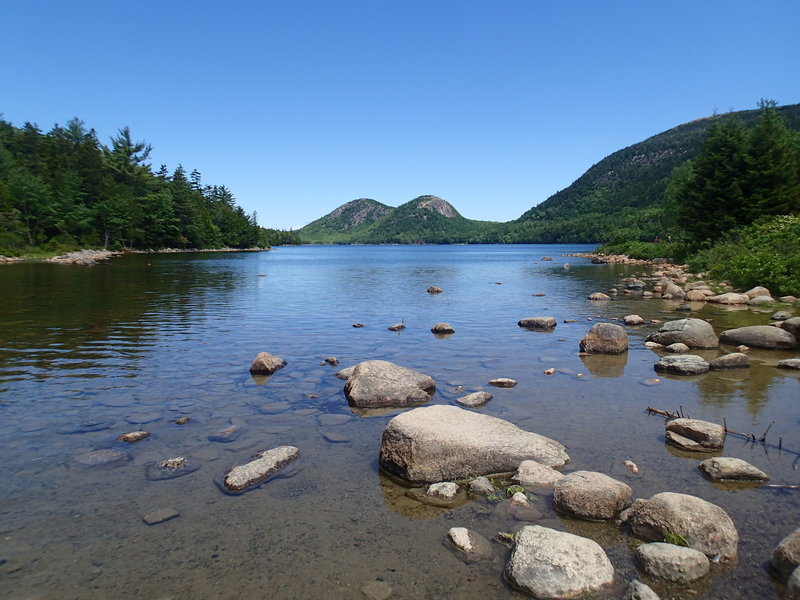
[{"x": 89, "y": 353}]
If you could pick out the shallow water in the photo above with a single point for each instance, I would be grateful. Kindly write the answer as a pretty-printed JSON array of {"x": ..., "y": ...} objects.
[{"x": 88, "y": 353}]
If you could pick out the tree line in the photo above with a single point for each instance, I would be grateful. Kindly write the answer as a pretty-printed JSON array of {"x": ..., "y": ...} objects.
[{"x": 64, "y": 189}]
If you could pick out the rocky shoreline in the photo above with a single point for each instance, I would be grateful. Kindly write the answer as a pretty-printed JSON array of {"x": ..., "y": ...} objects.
[{"x": 88, "y": 257}]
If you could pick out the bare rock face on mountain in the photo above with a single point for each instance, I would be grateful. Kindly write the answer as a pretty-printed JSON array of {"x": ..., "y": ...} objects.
[
  {"x": 446, "y": 443},
  {"x": 437, "y": 205}
]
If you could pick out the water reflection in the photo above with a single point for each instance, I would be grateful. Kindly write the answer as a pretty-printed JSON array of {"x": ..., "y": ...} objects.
[{"x": 605, "y": 365}]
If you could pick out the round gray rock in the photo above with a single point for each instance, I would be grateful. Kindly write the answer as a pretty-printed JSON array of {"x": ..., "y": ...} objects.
[
  {"x": 759, "y": 336},
  {"x": 729, "y": 298},
  {"x": 441, "y": 443},
  {"x": 673, "y": 563},
  {"x": 590, "y": 495},
  {"x": 682, "y": 364},
  {"x": 632, "y": 320},
  {"x": 379, "y": 383},
  {"x": 705, "y": 526},
  {"x": 639, "y": 591},
  {"x": 724, "y": 468},
  {"x": 552, "y": 564},
  {"x": 605, "y": 338},
  {"x": 533, "y": 474},
  {"x": 695, "y": 333},
  {"x": 677, "y": 348},
  {"x": 791, "y": 325}
]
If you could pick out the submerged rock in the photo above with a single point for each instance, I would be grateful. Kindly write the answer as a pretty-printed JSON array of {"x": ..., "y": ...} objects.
[
  {"x": 379, "y": 383},
  {"x": 759, "y": 336},
  {"x": 440, "y": 443},
  {"x": 590, "y": 495},
  {"x": 639, "y": 591},
  {"x": 159, "y": 516},
  {"x": 789, "y": 363},
  {"x": 673, "y": 563},
  {"x": 705, "y": 526},
  {"x": 170, "y": 468},
  {"x": 265, "y": 464},
  {"x": 552, "y": 564},
  {"x": 133, "y": 436},
  {"x": 469, "y": 546},
  {"x": 227, "y": 435},
  {"x": 605, "y": 338},
  {"x": 106, "y": 457},
  {"x": 724, "y": 468},
  {"x": 599, "y": 296},
  {"x": 266, "y": 364},
  {"x": 397, "y": 327}
]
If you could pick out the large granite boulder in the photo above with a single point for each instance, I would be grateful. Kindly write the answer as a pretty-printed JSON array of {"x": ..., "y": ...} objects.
[
  {"x": 734, "y": 360},
  {"x": 379, "y": 383},
  {"x": 695, "y": 333},
  {"x": 533, "y": 474},
  {"x": 264, "y": 465},
  {"x": 759, "y": 336},
  {"x": 548, "y": 564},
  {"x": 672, "y": 563},
  {"x": 590, "y": 495},
  {"x": 605, "y": 338},
  {"x": 729, "y": 298},
  {"x": 786, "y": 556},
  {"x": 441, "y": 443},
  {"x": 757, "y": 291},
  {"x": 705, "y": 526}
]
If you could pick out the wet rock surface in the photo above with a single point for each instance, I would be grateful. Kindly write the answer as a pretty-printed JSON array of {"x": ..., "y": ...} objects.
[
  {"x": 785, "y": 557},
  {"x": 160, "y": 516},
  {"x": 443, "y": 329},
  {"x": 734, "y": 360},
  {"x": 533, "y": 474},
  {"x": 104, "y": 457},
  {"x": 170, "y": 468},
  {"x": 537, "y": 323},
  {"x": 469, "y": 546},
  {"x": 475, "y": 399},
  {"x": 709, "y": 436},
  {"x": 639, "y": 591},
  {"x": 552, "y": 564},
  {"x": 503, "y": 382},
  {"x": 682, "y": 364},
  {"x": 440, "y": 443}
]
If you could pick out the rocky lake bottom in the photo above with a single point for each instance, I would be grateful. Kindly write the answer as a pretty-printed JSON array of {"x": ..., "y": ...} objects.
[{"x": 90, "y": 353}]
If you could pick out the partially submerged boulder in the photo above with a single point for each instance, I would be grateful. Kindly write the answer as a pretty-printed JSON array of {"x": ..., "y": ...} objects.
[
  {"x": 789, "y": 363},
  {"x": 264, "y": 465},
  {"x": 705, "y": 526},
  {"x": 729, "y": 298},
  {"x": 725, "y": 468},
  {"x": 695, "y": 333},
  {"x": 475, "y": 399},
  {"x": 605, "y": 338},
  {"x": 468, "y": 545},
  {"x": 553, "y": 564},
  {"x": 440, "y": 443},
  {"x": 672, "y": 563},
  {"x": 533, "y": 474},
  {"x": 599, "y": 296},
  {"x": 545, "y": 323},
  {"x": 734, "y": 360},
  {"x": 709, "y": 437},
  {"x": 590, "y": 495},
  {"x": 785, "y": 557},
  {"x": 379, "y": 383},
  {"x": 759, "y": 336},
  {"x": 442, "y": 329},
  {"x": 791, "y": 325},
  {"x": 682, "y": 364},
  {"x": 266, "y": 364}
]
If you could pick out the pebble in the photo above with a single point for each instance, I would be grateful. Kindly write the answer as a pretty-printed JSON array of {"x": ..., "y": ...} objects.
[
  {"x": 159, "y": 516},
  {"x": 377, "y": 590}
]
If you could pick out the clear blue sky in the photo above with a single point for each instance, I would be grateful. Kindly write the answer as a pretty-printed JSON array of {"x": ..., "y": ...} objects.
[{"x": 300, "y": 106}]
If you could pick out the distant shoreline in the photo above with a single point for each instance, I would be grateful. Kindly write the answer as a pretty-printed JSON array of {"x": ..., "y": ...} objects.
[{"x": 91, "y": 257}]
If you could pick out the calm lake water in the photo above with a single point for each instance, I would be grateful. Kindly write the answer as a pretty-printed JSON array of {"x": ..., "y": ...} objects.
[{"x": 89, "y": 353}]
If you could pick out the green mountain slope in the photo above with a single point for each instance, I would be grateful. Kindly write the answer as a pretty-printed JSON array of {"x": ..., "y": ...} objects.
[
  {"x": 623, "y": 195},
  {"x": 620, "y": 198}
]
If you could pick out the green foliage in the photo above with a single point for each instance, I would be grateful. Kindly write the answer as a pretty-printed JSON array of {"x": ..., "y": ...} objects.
[
  {"x": 675, "y": 539},
  {"x": 766, "y": 253},
  {"x": 64, "y": 190},
  {"x": 513, "y": 489}
]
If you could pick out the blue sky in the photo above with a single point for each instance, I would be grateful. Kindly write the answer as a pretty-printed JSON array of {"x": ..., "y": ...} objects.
[{"x": 301, "y": 106}]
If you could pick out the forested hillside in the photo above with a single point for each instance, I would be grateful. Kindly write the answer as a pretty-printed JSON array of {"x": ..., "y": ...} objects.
[{"x": 63, "y": 189}]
